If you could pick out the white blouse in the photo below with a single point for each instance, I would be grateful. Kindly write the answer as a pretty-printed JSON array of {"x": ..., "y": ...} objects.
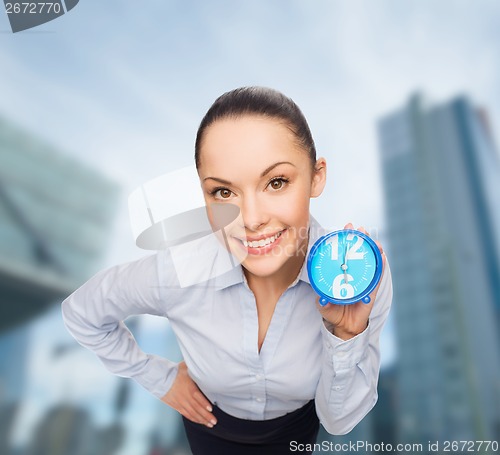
[{"x": 216, "y": 325}]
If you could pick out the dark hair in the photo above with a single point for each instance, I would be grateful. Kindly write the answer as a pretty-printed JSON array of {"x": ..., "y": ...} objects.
[{"x": 260, "y": 101}]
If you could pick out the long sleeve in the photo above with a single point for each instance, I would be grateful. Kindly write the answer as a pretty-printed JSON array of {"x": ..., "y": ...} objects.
[
  {"x": 347, "y": 388},
  {"x": 94, "y": 316}
]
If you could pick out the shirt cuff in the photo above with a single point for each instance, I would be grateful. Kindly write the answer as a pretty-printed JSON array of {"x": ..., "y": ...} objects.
[
  {"x": 345, "y": 354},
  {"x": 159, "y": 375}
]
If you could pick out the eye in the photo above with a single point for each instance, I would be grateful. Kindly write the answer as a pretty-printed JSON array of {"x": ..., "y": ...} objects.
[
  {"x": 221, "y": 193},
  {"x": 277, "y": 183}
]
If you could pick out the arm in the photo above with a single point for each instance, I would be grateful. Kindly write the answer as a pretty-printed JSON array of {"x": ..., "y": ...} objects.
[
  {"x": 347, "y": 389},
  {"x": 94, "y": 316}
]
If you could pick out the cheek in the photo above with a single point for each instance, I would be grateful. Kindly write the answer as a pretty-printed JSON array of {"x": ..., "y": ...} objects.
[
  {"x": 222, "y": 215},
  {"x": 292, "y": 207}
]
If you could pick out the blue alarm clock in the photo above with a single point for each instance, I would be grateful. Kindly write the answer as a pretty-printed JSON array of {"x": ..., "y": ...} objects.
[{"x": 344, "y": 267}]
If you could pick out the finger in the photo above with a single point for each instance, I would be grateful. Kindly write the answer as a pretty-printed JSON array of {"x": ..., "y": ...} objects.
[
  {"x": 379, "y": 246},
  {"x": 363, "y": 230},
  {"x": 384, "y": 258},
  {"x": 208, "y": 418},
  {"x": 202, "y": 400},
  {"x": 349, "y": 226},
  {"x": 195, "y": 414},
  {"x": 204, "y": 407}
]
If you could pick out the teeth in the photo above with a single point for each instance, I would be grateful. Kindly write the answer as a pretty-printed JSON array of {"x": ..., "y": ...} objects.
[{"x": 261, "y": 243}]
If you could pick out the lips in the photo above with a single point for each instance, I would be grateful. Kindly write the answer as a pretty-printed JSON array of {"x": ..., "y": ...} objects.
[{"x": 261, "y": 244}]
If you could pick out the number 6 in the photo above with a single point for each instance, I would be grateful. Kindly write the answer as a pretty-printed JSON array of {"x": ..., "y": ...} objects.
[{"x": 339, "y": 285}]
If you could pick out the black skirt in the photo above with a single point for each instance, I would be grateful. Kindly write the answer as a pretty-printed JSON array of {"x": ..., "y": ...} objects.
[{"x": 233, "y": 436}]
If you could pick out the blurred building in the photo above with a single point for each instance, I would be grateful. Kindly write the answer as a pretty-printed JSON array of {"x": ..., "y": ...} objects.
[
  {"x": 168, "y": 436},
  {"x": 55, "y": 216},
  {"x": 442, "y": 193},
  {"x": 69, "y": 430},
  {"x": 13, "y": 349},
  {"x": 54, "y": 222}
]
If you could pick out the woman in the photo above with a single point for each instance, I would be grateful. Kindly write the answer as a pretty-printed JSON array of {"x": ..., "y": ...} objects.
[{"x": 262, "y": 360}]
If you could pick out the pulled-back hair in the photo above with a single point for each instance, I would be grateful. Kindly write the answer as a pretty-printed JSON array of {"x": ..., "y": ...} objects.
[{"x": 259, "y": 101}]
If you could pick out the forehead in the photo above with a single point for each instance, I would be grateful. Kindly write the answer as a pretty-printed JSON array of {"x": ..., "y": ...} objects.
[{"x": 248, "y": 143}]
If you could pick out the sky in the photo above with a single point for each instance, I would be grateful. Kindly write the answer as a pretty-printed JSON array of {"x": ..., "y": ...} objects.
[{"x": 122, "y": 86}]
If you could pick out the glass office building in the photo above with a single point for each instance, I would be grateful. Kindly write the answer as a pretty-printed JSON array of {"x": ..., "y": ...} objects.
[
  {"x": 55, "y": 215},
  {"x": 54, "y": 222},
  {"x": 441, "y": 176}
]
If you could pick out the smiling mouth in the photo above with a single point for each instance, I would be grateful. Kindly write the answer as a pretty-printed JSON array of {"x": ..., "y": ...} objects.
[{"x": 263, "y": 242}]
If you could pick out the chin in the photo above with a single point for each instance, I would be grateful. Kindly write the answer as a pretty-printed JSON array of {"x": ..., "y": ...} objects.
[
  {"x": 259, "y": 271},
  {"x": 264, "y": 266}
]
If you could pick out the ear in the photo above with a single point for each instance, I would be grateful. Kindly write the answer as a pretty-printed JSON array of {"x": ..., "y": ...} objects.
[{"x": 319, "y": 178}]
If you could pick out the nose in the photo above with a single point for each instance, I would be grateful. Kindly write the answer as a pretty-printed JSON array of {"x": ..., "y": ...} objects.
[{"x": 253, "y": 213}]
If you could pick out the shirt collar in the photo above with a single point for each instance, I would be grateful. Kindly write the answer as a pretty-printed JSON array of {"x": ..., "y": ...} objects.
[
  {"x": 235, "y": 275},
  {"x": 229, "y": 278}
]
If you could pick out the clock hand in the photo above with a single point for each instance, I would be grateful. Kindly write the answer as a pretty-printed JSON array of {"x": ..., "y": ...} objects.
[{"x": 344, "y": 265}]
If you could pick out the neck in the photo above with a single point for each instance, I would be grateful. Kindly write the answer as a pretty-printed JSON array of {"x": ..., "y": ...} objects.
[{"x": 277, "y": 283}]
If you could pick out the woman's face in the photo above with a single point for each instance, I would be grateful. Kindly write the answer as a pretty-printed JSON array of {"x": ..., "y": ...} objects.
[{"x": 256, "y": 164}]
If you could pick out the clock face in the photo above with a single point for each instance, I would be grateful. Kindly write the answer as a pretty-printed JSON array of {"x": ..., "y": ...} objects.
[{"x": 344, "y": 267}]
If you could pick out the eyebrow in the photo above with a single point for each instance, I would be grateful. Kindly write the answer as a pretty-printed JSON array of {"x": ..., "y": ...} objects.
[
  {"x": 270, "y": 168},
  {"x": 263, "y": 174}
]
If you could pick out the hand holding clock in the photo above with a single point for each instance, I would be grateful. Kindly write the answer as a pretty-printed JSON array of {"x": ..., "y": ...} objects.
[{"x": 349, "y": 305}]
